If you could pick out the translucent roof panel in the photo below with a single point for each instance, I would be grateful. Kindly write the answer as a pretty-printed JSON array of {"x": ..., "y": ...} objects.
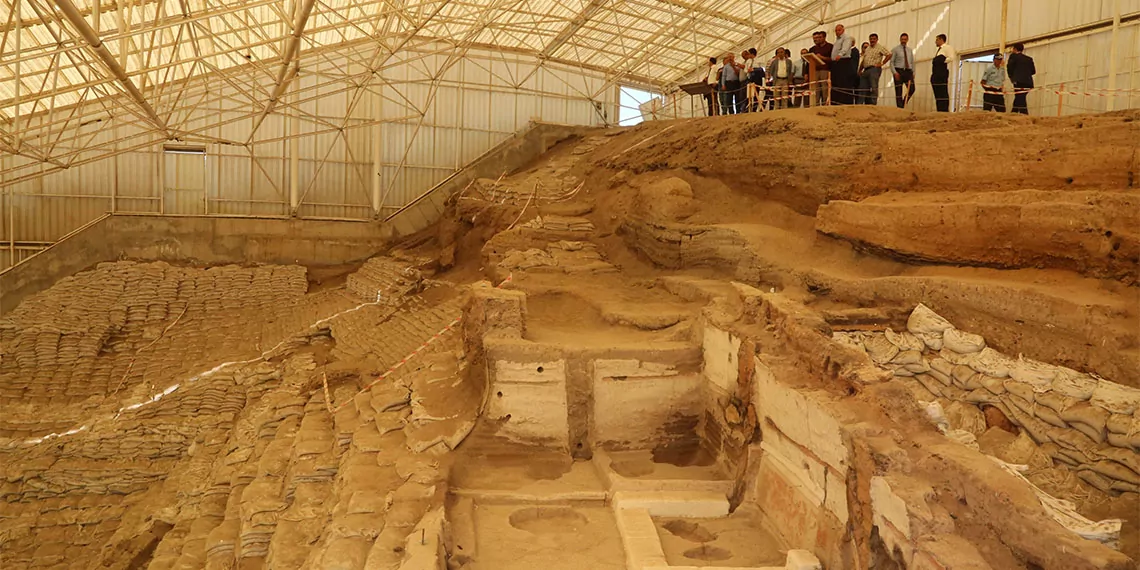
[{"x": 64, "y": 63}]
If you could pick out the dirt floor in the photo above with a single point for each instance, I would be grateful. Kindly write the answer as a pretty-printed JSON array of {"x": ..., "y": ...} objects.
[
  {"x": 159, "y": 416},
  {"x": 519, "y": 538},
  {"x": 737, "y": 541}
]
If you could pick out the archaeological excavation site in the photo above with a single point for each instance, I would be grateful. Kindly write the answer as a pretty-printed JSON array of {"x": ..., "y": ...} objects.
[
  {"x": 621, "y": 354},
  {"x": 404, "y": 287}
]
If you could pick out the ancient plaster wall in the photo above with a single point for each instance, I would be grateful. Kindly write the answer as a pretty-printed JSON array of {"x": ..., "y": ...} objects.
[
  {"x": 635, "y": 402},
  {"x": 803, "y": 449},
  {"x": 848, "y": 488},
  {"x": 530, "y": 399},
  {"x": 581, "y": 398},
  {"x": 551, "y": 396},
  {"x": 798, "y": 466}
]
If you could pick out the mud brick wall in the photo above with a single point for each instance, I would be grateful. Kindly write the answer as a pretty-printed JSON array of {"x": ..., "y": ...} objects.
[
  {"x": 640, "y": 404},
  {"x": 1088, "y": 423},
  {"x": 385, "y": 280},
  {"x": 802, "y": 472}
]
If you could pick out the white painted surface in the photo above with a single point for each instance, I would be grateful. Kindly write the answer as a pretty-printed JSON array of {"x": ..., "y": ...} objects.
[
  {"x": 635, "y": 410},
  {"x": 532, "y": 405},
  {"x": 696, "y": 504},
  {"x": 721, "y": 357}
]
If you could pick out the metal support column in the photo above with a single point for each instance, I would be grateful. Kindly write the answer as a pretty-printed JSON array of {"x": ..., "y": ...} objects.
[{"x": 377, "y": 151}]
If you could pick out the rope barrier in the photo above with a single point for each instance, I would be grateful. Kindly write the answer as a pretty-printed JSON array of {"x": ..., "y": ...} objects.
[{"x": 959, "y": 90}]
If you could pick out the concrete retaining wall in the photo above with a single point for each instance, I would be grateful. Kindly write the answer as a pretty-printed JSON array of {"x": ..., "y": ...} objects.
[
  {"x": 198, "y": 239},
  {"x": 77, "y": 251},
  {"x": 249, "y": 240},
  {"x": 214, "y": 239}
]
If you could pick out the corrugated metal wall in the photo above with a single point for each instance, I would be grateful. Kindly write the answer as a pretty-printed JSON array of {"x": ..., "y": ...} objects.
[
  {"x": 1079, "y": 61},
  {"x": 421, "y": 136}
]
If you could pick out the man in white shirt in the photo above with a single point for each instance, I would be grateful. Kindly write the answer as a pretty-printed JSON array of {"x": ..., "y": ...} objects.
[
  {"x": 781, "y": 72},
  {"x": 844, "y": 79},
  {"x": 711, "y": 95},
  {"x": 945, "y": 59}
]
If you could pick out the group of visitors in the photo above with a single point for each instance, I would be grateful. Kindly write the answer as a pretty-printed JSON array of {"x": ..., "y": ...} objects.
[
  {"x": 854, "y": 74},
  {"x": 748, "y": 87}
]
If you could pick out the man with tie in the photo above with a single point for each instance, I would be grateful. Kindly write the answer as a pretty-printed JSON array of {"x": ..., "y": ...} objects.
[{"x": 902, "y": 60}]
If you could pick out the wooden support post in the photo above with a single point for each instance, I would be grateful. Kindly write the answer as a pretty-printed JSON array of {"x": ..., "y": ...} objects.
[
  {"x": 970, "y": 95},
  {"x": 1004, "y": 24},
  {"x": 11, "y": 225},
  {"x": 1112, "y": 56}
]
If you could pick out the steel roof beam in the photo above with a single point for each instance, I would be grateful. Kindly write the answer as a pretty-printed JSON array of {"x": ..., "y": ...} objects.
[
  {"x": 572, "y": 27},
  {"x": 77, "y": 20},
  {"x": 289, "y": 67}
]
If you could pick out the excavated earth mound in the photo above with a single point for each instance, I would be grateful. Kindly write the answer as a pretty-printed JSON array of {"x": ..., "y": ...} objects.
[{"x": 154, "y": 416}]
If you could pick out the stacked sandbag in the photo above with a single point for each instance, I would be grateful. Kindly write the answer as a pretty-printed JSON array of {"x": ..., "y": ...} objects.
[
  {"x": 385, "y": 280},
  {"x": 560, "y": 224},
  {"x": 1087, "y": 423},
  {"x": 82, "y": 337},
  {"x": 389, "y": 336}
]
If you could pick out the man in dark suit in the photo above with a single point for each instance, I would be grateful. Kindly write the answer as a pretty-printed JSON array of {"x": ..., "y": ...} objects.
[{"x": 1021, "y": 72}]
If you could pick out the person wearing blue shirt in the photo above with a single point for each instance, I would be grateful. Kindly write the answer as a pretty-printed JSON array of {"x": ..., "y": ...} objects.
[
  {"x": 902, "y": 60},
  {"x": 844, "y": 78},
  {"x": 731, "y": 87},
  {"x": 993, "y": 81}
]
